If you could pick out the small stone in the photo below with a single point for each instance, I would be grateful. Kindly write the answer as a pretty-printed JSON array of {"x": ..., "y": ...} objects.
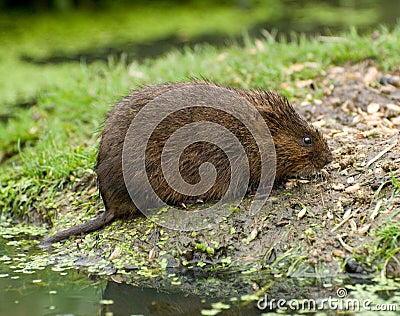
[
  {"x": 387, "y": 89},
  {"x": 395, "y": 81},
  {"x": 304, "y": 83},
  {"x": 337, "y": 70},
  {"x": 371, "y": 75},
  {"x": 396, "y": 120},
  {"x": 392, "y": 80},
  {"x": 392, "y": 110},
  {"x": 319, "y": 123},
  {"x": 294, "y": 68},
  {"x": 353, "y": 188},
  {"x": 335, "y": 101},
  {"x": 338, "y": 186},
  {"x": 92, "y": 191},
  {"x": 384, "y": 80},
  {"x": 395, "y": 94},
  {"x": 305, "y": 103},
  {"x": 373, "y": 108},
  {"x": 338, "y": 253}
]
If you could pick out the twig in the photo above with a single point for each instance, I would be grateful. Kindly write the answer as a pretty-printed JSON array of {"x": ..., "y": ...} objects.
[
  {"x": 378, "y": 156},
  {"x": 376, "y": 210},
  {"x": 344, "y": 245},
  {"x": 341, "y": 223}
]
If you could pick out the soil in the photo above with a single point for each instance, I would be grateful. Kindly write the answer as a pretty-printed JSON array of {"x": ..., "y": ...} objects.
[{"x": 318, "y": 225}]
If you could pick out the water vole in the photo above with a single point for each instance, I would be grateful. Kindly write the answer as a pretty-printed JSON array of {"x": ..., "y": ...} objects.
[{"x": 300, "y": 149}]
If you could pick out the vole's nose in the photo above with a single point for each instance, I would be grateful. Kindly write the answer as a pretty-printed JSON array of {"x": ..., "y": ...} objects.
[{"x": 324, "y": 158}]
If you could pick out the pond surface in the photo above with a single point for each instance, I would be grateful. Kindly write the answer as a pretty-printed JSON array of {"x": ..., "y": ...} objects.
[{"x": 31, "y": 287}]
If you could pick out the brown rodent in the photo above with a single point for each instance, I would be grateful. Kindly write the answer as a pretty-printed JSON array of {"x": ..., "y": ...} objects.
[{"x": 300, "y": 150}]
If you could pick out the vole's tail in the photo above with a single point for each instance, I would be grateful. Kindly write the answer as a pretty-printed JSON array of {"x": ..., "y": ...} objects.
[{"x": 92, "y": 225}]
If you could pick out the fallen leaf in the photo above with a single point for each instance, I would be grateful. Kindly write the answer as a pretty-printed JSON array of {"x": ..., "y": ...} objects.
[
  {"x": 152, "y": 254},
  {"x": 301, "y": 214},
  {"x": 353, "y": 225},
  {"x": 115, "y": 254},
  {"x": 116, "y": 278},
  {"x": 364, "y": 229}
]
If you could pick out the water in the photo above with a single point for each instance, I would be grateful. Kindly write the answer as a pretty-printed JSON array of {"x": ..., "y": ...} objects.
[
  {"x": 31, "y": 286},
  {"x": 49, "y": 293}
]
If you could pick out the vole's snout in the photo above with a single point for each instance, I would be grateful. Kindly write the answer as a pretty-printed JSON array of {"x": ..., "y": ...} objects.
[
  {"x": 322, "y": 157},
  {"x": 326, "y": 157}
]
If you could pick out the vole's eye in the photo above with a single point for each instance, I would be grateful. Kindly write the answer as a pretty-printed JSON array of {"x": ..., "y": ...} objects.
[{"x": 307, "y": 140}]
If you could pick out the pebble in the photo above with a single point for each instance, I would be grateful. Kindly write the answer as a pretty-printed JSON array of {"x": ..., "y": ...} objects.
[
  {"x": 387, "y": 89},
  {"x": 395, "y": 95},
  {"x": 338, "y": 253},
  {"x": 371, "y": 75},
  {"x": 392, "y": 110},
  {"x": 335, "y": 101},
  {"x": 396, "y": 120},
  {"x": 392, "y": 80},
  {"x": 373, "y": 108},
  {"x": 338, "y": 186},
  {"x": 353, "y": 188}
]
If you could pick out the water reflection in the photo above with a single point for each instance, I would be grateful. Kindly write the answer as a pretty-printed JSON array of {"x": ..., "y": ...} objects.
[
  {"x": 129, "y": 300},
  {"x": 48, "y": 293}
]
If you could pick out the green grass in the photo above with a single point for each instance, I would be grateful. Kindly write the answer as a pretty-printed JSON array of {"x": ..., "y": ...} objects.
[{"x": 387, "y": 241}]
